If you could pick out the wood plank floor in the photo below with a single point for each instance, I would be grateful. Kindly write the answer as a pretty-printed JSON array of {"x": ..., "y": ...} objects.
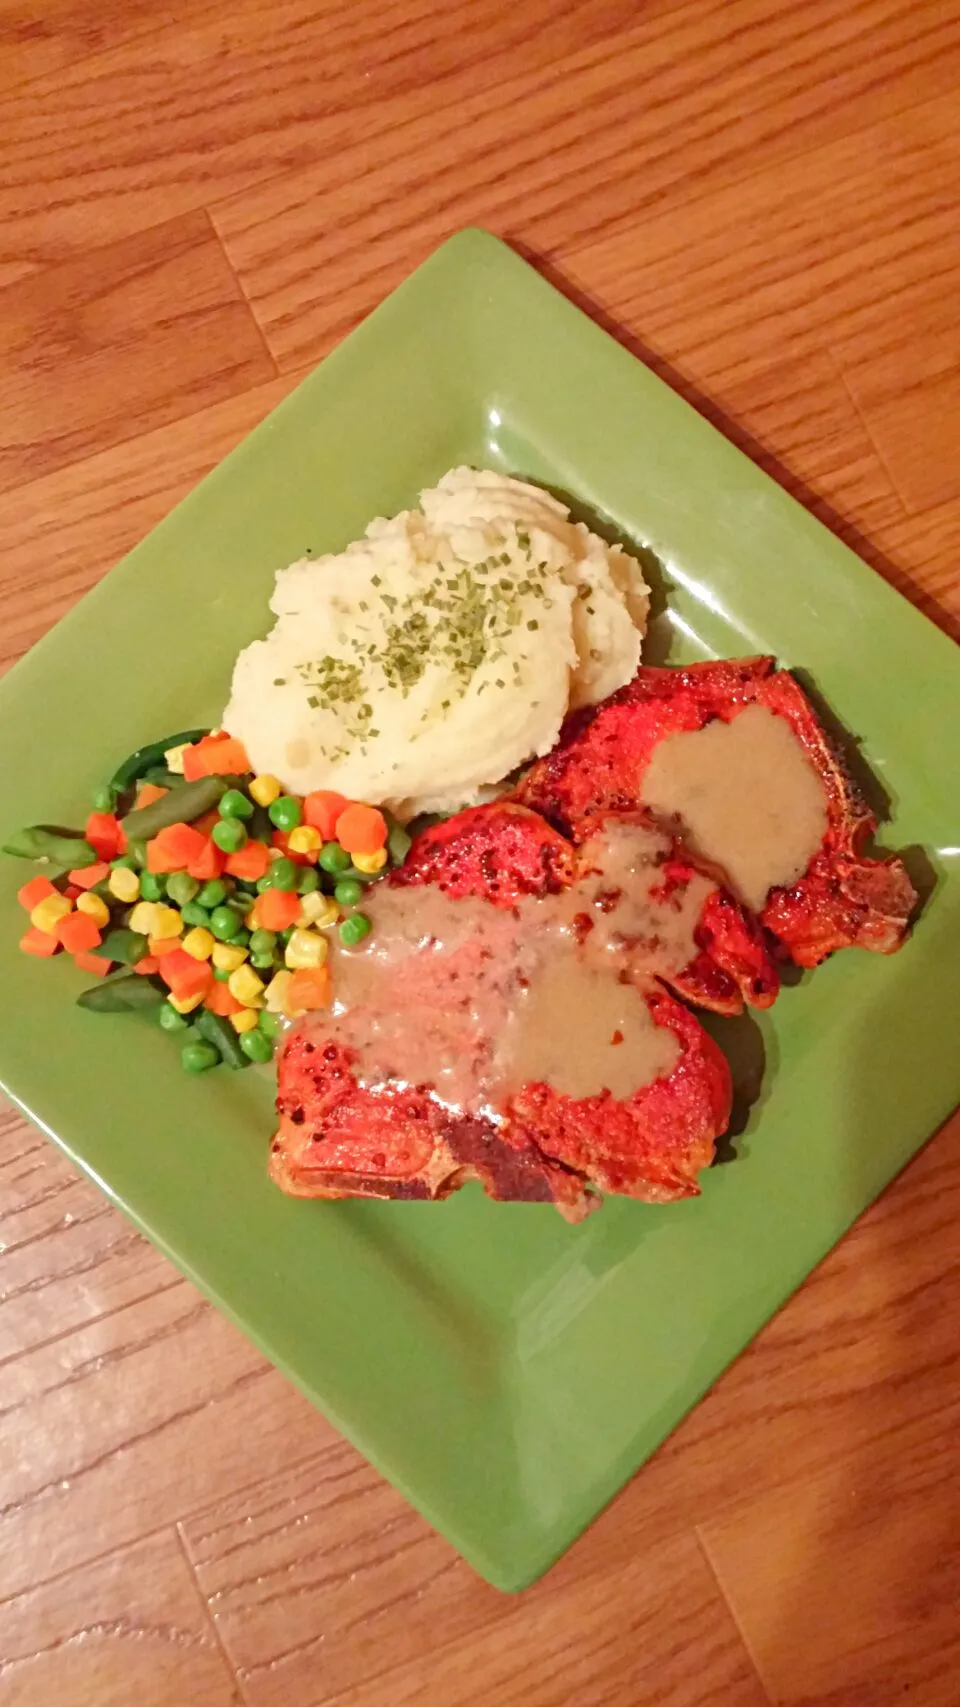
[{"x": 194, "y": 207}]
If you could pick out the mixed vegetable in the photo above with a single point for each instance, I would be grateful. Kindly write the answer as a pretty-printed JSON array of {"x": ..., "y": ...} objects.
[{"x": 205, "y": 891}]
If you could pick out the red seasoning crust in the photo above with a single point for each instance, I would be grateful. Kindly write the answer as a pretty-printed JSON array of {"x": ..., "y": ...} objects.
[
  {"x": 844, "y": 898},
  {"x": 337, "y": 1138}
]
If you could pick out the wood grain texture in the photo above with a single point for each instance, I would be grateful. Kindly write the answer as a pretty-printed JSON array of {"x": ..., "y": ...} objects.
[
  {"x": 117, "y": 341},
  {"x": 194, "y": 206},
  {"x": 130, "y": 1626}
]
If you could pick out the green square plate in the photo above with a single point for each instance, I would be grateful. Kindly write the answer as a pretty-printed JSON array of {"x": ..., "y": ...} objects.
[{"x": 506, "y": 1371}]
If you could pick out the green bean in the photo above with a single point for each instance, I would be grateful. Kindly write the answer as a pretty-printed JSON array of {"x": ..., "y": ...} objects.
[
  {"x": 52, "y": 844},
  {"x": 124, "y": 992},
  {"x": 218, "y": 1031},
  {"x": 399, "y": 843},
  {"x": 181, "y": 805},
  {"x": 150, "y": 757},
  {"x": 126, "y": 946},
  {"x": 161, "y": 777}
]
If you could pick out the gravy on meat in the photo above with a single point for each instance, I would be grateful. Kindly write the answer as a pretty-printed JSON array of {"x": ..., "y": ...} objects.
[
  {"x": 746, "y": 798},
  {"x": 475, "y": 1001}
]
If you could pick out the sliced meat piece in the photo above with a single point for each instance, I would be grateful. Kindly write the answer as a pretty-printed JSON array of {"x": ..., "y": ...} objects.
[
  {"x": 396, "y": 1138},
  {"x": 604, "y": 760}
]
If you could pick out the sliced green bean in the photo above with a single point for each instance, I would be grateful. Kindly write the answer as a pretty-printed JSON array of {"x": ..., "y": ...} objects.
[
  {"x": 125, "y": 992},
  {"x": 213, "y": 1028},
  {"x": 51, "y": 843},
  {"x": 180, "y": 806},
  {"x": 150, "y": 757},
  {"x": 126, "y": 946}
]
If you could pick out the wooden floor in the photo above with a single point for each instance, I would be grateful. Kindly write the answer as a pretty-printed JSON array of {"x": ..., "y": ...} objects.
[{"x": 196, "y": 203}]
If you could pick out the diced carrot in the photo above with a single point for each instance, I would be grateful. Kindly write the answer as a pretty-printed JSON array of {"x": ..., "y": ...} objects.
[
  {"x": 249, "y": 863},
  {"x": 206, "y": 823},
  {"x": 160, "y": 946},
  {"x": 72, "y": 891},
  {"x": 309, "y": 988},
  {"x": 34, "y": 892},
  {"x": 175, "y": 846},
  {"x": 361, "y": 829},
  {"x": 78, "y": 933},
  {"x": 281, "y": 839},
  {"x": 277, "y": 909},
  {"x": 220, "y": 1001},
  {"x": 209, "y": 863},
  {"x": 322, "y": 808},
  {"x": 150, "y": 963},
  {"x": 215, "y": 756},
  {"x": 40, "y": 943},
  {"x": 149, "y": 792},
  {"x": 90, "y": 875},
  {"x": 96, "y": 964},
  {"x": 104, "y": 833},
  {"x": 187, "y": 976},
  {"x": 158, "y": 860}
]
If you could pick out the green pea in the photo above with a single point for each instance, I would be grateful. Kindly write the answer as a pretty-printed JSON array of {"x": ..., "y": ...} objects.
[
  {"x": 285, "y": 874},
  {"x": 334, "y": 859},
  {"x": 224, "y": 923},
  {"x": 199, "y": 1057},
  {"x": 171, "y": 1020},
  {"x": 265, "y": 882},
  {"x": 194, "y": 914},
  {"x": 256, "y": 1045},
  {"x": 229, "y": 835},
  {"x": 152, "y": 887},
  {"x": 213, "y": 893},
  {"x": 285, "y": 812},
  {"x": 354, "y": 929},
  {"x": 287, "y": 934},
  {"x": 263, "y": 942},
  {"x": 309, "y": 881},
  {"x": 104, "y": 799},
  {"x": 348, "y": 892},
  {"x": 240, "y": 940},
  {"x": 182, "y": 888},
  {"x": 235, "y": 805},
  {"x": 269, "y": 1023},
  {"x": 263, "y": 962},
  {"x": 222, "y": 975}
]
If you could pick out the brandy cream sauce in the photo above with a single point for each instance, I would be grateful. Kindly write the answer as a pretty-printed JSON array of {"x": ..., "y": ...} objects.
[
  {"x": 746, "y": 796},
  {"x": 474, "y": 1001}
]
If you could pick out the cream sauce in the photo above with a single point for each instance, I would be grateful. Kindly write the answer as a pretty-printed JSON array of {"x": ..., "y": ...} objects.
[
  {"x": 474, "y": 1001},
  {"x": 746, "y": 797}
]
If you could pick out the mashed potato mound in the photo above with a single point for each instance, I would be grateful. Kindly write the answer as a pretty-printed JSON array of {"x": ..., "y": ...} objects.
[{"x": 435, "y": 655}]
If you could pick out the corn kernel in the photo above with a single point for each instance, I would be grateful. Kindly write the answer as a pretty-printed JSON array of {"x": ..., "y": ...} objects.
[
  {"x": 278, "y": 990},
  {"x": 200, "y": 943},
  {"x": 305, "y": 948},
  {"x": 245, "y": 986},
  {"x": 142, "y": 917},
  {"x": 95, "y": 906},
  {"x": 265, "y": 790},
  {"x": 305, "y": 840},
  {"x": 185, "y": 1004},
  {"x": 173, "y": 758},
  {"x": 245, "y": 1020},
  {"x": 124, "y": 884},
  {"x": 370, "y": 863},
  {"x": 317, "y": 909},
  {"x": 228, "y": 958},
  {"x": 166, "y": 921},
  {"x": 48, "y": 912}
]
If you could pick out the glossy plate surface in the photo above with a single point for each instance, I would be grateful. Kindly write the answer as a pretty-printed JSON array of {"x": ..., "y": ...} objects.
[{"x": 506, "y": 1371}]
